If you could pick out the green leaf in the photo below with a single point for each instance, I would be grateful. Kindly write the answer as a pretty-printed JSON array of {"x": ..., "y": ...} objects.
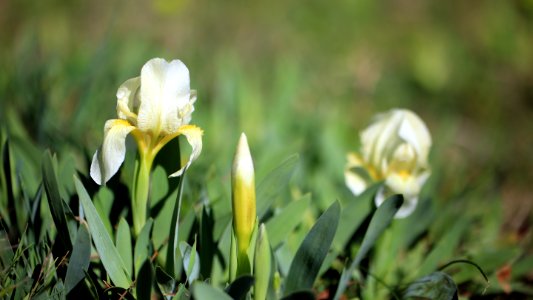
[
  {"x": 207, "y": 245},
  {"x": 79, "y": 260},
  {"x": 281, "y": 225},
  {"x": 182, "y": 294},
  {"x": 240, "y": 287},
  {"x": 172, "y": 265},
  {"x": 262, "y": 264},
  {"x": 353, "y": 215},
  {"x": 144, "y": 280},
  {"x": 55, "y": 202},
  {"x": 143, "y": 245},
  {"x": 159, "y": 185},
  {"x": 109, "y": 255},
  {"x": 166, "y": 283},
  {"x": 273, "y": 183},
  {"x": 202, "y": 290},
  {"x": 123, "y": 242},
  {"x": 444, "y": 248},
  {"x": 311, "y": 253},
  {"x": 300, "y": 295},
  {"x": 191, "y": 261},
  {"x": 379, "y": 222},
  {"x": 103, "y": 202},
  {"x": 435, "y": 286}
]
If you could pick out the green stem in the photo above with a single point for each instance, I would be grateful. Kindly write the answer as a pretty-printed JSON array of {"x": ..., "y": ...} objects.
[{"x": 142, "y": 189}]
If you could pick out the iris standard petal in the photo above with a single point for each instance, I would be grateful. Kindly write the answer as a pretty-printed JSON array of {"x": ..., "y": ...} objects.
[
  {"x": 110, "y": 156},
  {"x": 164, "y": 90},
  {"x": 414, "y": 131},
  {"x": 128, "y": 100},
  {"x": 194, "y": 137}
]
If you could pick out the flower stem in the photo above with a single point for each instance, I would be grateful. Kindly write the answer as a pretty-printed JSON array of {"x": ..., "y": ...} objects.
[{"x": 141, "y": 193}]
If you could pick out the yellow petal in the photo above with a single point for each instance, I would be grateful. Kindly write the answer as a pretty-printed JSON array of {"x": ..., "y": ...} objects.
[
  {"x": 110, "y": 156},
  {"x": 194, "y": 137}
]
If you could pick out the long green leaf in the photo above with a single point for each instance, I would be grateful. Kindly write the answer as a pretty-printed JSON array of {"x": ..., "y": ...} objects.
[
  {"x": 109, "y": 255},
  {"x": 311, "y": 253},
  {"x": 274, "y": 182},
  {"x": 143, "y": 245},
  {"x": 444, "y": 248},
  {"x": 55, "y": 202},
  {"x": 79, "y": 260},
  {"x": 166, "y": 283},
  {"x": 172, "y": 265},
  {"x": 144, "y": 280},
  {"x": 379, "y": 222},
  {"x": 202, "y": 290},
  {"x": 191, "y": 261},
  {"x": 353, "y": 214},
  {"x": 123, "y": 242},
  {"x": 281, "y": 225}
]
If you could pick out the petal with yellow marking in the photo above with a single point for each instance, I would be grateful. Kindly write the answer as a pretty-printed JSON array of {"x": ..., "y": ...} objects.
[{"x": 110, "y": 156}]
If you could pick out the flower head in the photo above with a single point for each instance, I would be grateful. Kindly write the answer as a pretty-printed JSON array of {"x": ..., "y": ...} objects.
[
  {"x": 395, "y": 149},
  {"x": 155, "y": 108}
]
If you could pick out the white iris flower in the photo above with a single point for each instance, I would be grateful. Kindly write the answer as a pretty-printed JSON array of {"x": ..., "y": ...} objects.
[
  {"x": 395, "y": 149},
  {"x": 155, "y": 108}
]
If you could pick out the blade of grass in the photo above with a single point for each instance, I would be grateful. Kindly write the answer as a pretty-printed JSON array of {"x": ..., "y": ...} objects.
[
  {"x": 55, "y": 202},
  {"x": 143, "y": 245},
  {"x": 79, "y": 260},
  {"x": 281, "y": 225},
  {"x": 273, "y": 183},
  {"x": 109, "y": 255},
  {"x": 379, "y": 222},
  {"x": 311, "y": 253}
]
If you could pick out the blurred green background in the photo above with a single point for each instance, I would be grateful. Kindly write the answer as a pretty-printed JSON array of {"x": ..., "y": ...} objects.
[{"x": 296, "y": 76}]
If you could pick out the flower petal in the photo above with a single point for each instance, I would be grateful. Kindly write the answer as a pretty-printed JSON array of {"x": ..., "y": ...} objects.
[
  {"x": 128, "y": 99},
  {"x": 194, "y": 137},
  {"x": 164, "y": 92},
  {"x": 407, "y": 208},
  {"x": 110, "y": 156},
  {"x": 354, "y": 182},
  {"x": 415, "y": 132}
]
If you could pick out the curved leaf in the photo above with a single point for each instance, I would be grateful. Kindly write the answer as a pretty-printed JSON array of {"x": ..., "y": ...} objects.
[{"x": 311, "y": 253}]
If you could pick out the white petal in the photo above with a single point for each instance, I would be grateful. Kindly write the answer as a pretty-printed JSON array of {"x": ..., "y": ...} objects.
[
  {"x": 127, "y": 98},
  {"x": 414, "y": 131},
  {"x": 243, "y": 166},
  {"x": 354, "y": 182},
  {"x": 110, "y": 156},
  {"x": 405, "y": 184},
  {"x": 164, "y": 91},
  {"x": 194, "y": 137},
  {"x": 407, "y": 208}
]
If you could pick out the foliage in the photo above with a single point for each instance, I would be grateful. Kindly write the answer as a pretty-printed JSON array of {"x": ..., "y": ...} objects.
[{"x": 62, "y": 235}]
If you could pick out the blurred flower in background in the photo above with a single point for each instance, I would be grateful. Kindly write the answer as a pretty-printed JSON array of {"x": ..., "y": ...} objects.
[{"x": 394, "y": 150}]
